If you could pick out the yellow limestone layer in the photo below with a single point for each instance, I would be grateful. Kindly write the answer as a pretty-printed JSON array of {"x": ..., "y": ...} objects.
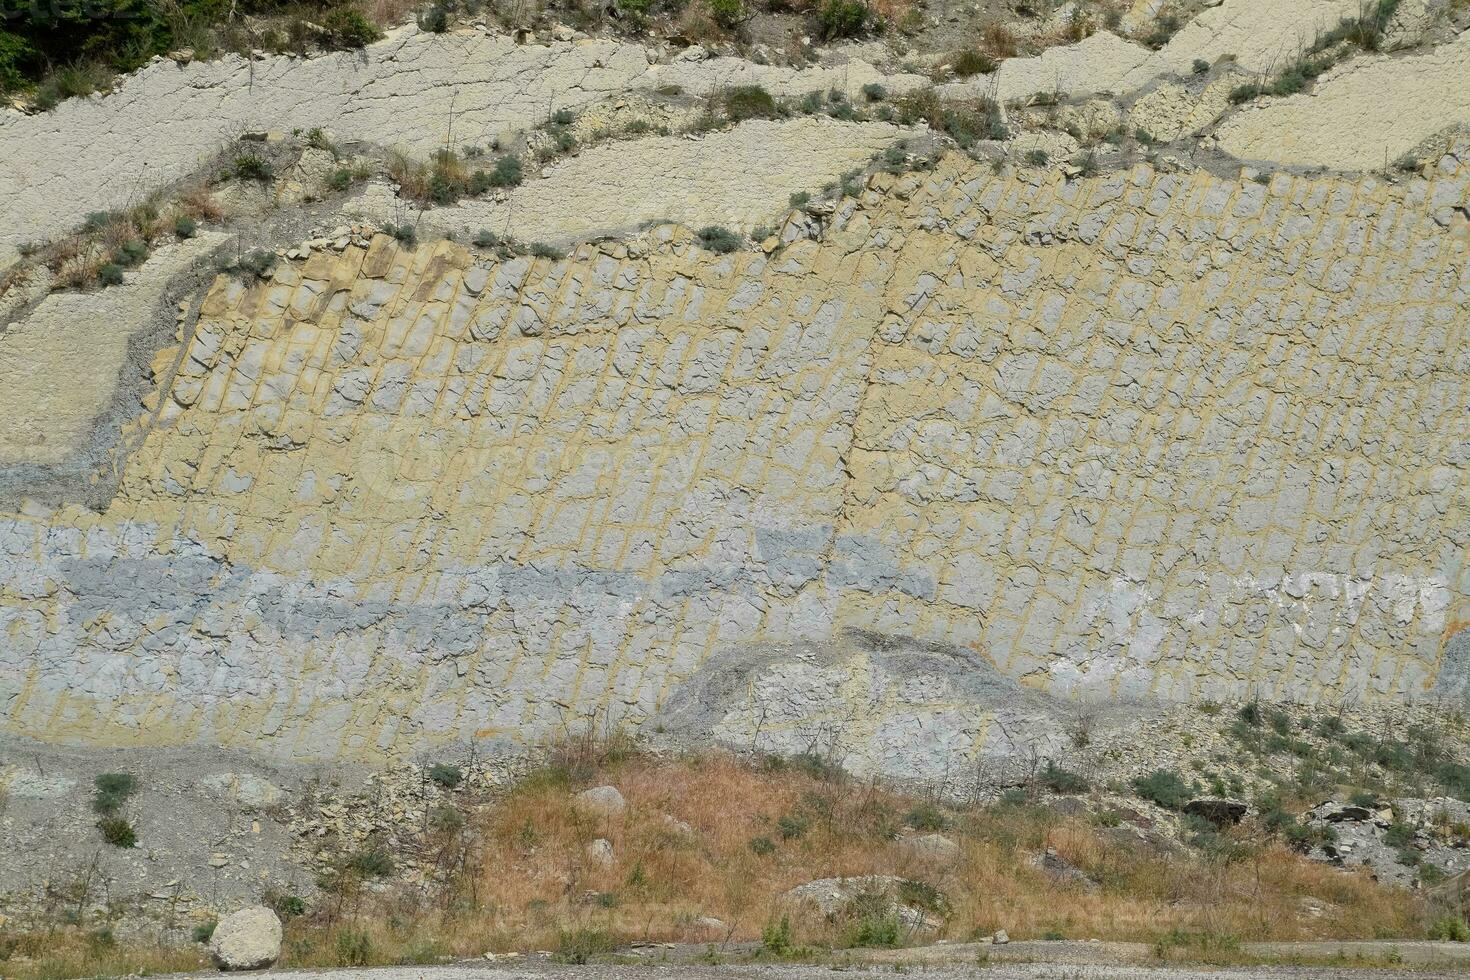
[{"x": 1141, "y": 433}]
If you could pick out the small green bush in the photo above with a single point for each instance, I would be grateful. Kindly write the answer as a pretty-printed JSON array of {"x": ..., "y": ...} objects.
[
  {"x": 248, "y": 166},
  {"x": 285, "y": 906},
  {"x": 257, "y": 264},
  {"x": 1037, "y": 158},
  {"x": 354, "y": 948},
  {"x": 1060, "y": 780},
  {"x": 117, "y": 832},
  {"x": 971, "y": 62},
  {"x": 347, "y": 28},
  {"x": 113, "y": 788},
  {"x": 579, "y": 946},
  {"x": 131, "y": 252},
  {"x": 185, "y": 226},
  {"x": 339, "y": 179},
  {"x": 727, "y": 13},
  {"x": 204, "y": 930},
  {"x": 749, "y": 102},
  {"x": 110, "y": 274},
  {"x": 1450, "y": 928},
  {"x": 876, "y": 923},
  {"x": 485, "y": 238},
  {"x": 541, "y": 250},
  {"x": 842, "y": 18},
  {"x": 1164, "y": 787},
  {"x": 445, "y": 775},
  {"x": 434, "y": 19},
  {"x": 371, "y": 862},
  {"x": 403, "y": 234},
  {"x": 776, "y": 937},
  {"x": 792, "y": 825},
  {"x": 506, "y": 172},
  {"x": 718, "y": 240},
  {"x": 926, "y": 816},
  {"x": 762, "y": 846},
  {"x": 799, "y": 199},
  {"x": 874, "y": 92}
]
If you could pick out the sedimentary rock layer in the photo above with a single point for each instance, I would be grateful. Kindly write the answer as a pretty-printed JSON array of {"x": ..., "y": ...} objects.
[{"x": 1138, "y": 433}]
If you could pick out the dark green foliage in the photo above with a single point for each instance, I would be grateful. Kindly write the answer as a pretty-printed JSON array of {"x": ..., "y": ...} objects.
[
  {"x": 1059, "y": 780},
  {"x": 506, "y": 172},
  {"x": 446, "y": 775},
  {"x": 339, "y": 179},
  {"x": 131, "y": 252},
  {"x": 792, "y": 825},
  {"x": 1450, "y": 928},
  {"x": 842, "y": 18},
  {"x": 185, "y": 226},
  {"x": 875, "y": 922},
  {"x": 799, "y": 199},
  {"x": 926, "y": 816},
  {"x": 371, "y": 862},
  {"x": 1037, "y": 158},
  {"x": 434, "y": 19},
  {"x": 749, "y": 102},
  {"x": 347, "y": 28},
  {"x": 718, "y": 240},
  {"x": 1164, "y": 787},
  {"x": 1398, "y": 835},
  {"x": 403, "y": 234},
  {"x": 204, "y": 930},
  {"x": 285, "y": 906},
  {"x": 248, "y": 166},
  {"x": 97, "y": 220},
  {"x": 922, "y": 895},
  {"x": 762, "y": 846},
  {"x": 354, "y": 948},
  {"x": 541, "y": 250},
  {"x": 579, "y": 946},
  {"x": 776, "y": 937},
  {"x": 485, "y": 239},
  {"x": 971, "y": 62},
  {"x": 117, "y": 832},
  {"x": 110, "y": 274},
  {"x": 257, "y": 264},
  {"x": 563, "y": 117},
  {"x": 1200, "y": 66},
  {"x": 874, "y": 92},
  {"x": 727, "y": 13},
  {"x": 113, "y": 788}
]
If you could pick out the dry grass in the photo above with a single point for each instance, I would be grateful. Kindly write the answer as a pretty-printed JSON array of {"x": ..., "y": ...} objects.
[
  {"x": 712, "y": 835},
  {"x": 73, "y": 952}
]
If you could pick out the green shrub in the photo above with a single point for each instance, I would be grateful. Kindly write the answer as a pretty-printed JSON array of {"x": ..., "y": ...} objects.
[
  {"x": 371, "y": 862},
  {"x": 285, "y": 906},
  {"x": 749, "y": 102},
  {"x": 1399, "y": 835},
  {"x": 257, "y": 264},
  {"x": 434, "y": 19},
  {"x": 248, "y": 166},
  {"x": 339, "y": 179},
  {"x": 718, "y": 240},
  {"x": 185, "y": 226},
  {"x": 926, "y": 816},
  {"x": 485, "y": 238},
  {"x": 578, "y": 946},
  {"x": 1200, "y": 66},
  {"x": 799, "y": 199},
  {"x": 131, "y": 252},
  {"x": 727, "y": 13},
  {"x": 1164, "y": 787},
  {"x": 506, "y": 172},
  {"x": 354, "y": 948},
  {"x": 874, "y": 92},
  {"x": 541, "y": 250},
  {"x": 792, "y": 825},
  {"x": 404, "y": 234},
  {"x": 876, "y": 923},
  {"x": 113, "y": 788},
  {"x": 1450, "y": 928},
  {"x": 762, "y": 846},
  {"x": 1060, "y": 780},
  {"x": 1037, "y": 158},
  {"x": 842, "y": 18},
  {"x": 347, "y": 28},
  {"x": 204, "y": 930},
  {"x": 445, "y": 775},
  {"x": 972, "y": 62},
  {"x": 117, "y": 832},
  {"x": 776, "y": 937},
  {"x": 110, "y": 274}
]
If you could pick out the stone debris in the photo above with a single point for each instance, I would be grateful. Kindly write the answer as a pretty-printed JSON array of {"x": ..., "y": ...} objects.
[
  {"x": 840, "y": 897},
  {"x": 605, "y": 800}
]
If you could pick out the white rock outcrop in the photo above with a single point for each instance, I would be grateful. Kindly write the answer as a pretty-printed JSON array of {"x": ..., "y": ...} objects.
[{"x": 249, "y": 939}]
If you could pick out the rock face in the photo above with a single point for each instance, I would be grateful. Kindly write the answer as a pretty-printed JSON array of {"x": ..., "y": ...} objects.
[
  {"x": 837, "y": 898},
  {"x": 995, "y": 439},
  {"x": 249, "y": 939}
]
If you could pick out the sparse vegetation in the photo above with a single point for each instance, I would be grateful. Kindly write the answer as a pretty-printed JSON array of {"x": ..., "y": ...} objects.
[
  {"x": 972, "y": 62},
  {"x": 748, "y": 102},
  {"x": 842, "y": 18},
  {"x": 1164, "y": 787},
  {"x": 718, "y": 240},
  {"x": 117, "y": 831},
  {"x": 445, "y": 775}
]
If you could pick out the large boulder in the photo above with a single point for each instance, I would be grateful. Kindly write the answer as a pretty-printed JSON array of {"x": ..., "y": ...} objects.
[
  {"x": 839, "y": 898},
  {"x": 249, "y": 939},
  {"x": 605, "y": 800}
]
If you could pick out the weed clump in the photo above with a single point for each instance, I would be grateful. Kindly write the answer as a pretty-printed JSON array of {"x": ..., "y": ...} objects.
[
  {"x": 749, "y": 102},
  {"x": 446, "y": 776},
  {"x": 718, "y": 239},
  {"x": 118, "y": 832},
  {"x": 1163, "y": 787}
]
